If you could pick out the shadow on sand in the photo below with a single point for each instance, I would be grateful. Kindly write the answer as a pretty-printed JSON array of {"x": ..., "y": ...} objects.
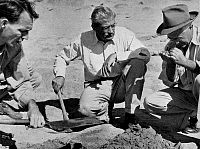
[{"x": 145, "y": 120}]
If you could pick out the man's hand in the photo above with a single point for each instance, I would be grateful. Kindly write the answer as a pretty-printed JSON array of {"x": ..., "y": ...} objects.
[
  {"x": 177, "y": 56},
  {"x": 57, "y": 83},
  {"x": 108, "y": 64},
  {"x": 34, "y": 115},
  {"x": 165, "y": 56}
]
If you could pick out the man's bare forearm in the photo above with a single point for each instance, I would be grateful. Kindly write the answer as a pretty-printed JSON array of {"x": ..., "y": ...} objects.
[
  {"x": 32, "y": 105},
  {"x": 190, "y": 65}
]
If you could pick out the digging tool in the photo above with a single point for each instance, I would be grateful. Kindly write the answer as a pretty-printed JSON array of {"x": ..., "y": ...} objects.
[
  {"x": 59, "y": 126},
  {"x": 65, "y": 114},
  {"x": 66, "y": 125}
]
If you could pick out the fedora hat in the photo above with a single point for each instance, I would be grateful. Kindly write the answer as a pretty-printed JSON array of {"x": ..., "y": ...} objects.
[{"x": 175, "y": 17}]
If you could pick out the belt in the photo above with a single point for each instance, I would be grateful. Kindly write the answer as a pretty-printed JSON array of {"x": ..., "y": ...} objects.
[{"x": 99, "y": 80}]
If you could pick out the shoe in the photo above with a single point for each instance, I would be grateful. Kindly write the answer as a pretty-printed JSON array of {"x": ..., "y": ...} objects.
[
  {"x": 191, "y": 128},
  {"x": 188, "y": 130},
  {"x": 130, "y": 119}
]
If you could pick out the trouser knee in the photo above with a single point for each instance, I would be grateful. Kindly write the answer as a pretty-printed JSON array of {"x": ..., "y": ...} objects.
[
  {"x": 141, "y": 53},
  {"x": 146, "y": 103},
  {"x": 85, "y": 109}
]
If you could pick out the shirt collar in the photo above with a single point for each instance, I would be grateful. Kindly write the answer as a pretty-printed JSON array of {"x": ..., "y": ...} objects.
[
  {"x": 196, "y": 36},
  {"x": 3, "y": 48}
]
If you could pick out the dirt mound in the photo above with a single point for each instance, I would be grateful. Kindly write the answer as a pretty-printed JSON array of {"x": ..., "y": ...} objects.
[{"x": 137, "y": 137}]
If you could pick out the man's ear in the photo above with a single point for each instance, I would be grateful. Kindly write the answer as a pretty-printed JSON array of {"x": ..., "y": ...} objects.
[
  {"x": 95, "y": 27},
  {"x": 3, "y": 22}
]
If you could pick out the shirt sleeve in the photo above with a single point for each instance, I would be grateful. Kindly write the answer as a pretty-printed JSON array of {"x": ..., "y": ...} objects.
[
  {"x": 18, "y": 77},
  {"x": 68, "y": 53}
]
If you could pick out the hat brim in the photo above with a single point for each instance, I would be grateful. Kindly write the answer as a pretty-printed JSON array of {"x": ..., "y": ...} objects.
[{"x": 164, "y": 31}]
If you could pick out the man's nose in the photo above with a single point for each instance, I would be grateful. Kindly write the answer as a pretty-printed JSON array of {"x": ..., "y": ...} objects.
[
  {"x": 25, "y": 36},
  {"x": 110, "y": 29}
]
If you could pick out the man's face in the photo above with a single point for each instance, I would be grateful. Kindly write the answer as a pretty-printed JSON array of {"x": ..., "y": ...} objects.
[
  {"x": 15, "y": 33},
  {"x": 181, "y": 38},
  {"x": 106, "y": 30}
]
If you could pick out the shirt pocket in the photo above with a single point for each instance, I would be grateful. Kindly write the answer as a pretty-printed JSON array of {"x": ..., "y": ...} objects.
[{"x": 95, "y": 62}]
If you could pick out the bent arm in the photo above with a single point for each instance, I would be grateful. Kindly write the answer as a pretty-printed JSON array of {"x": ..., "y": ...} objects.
[
  {"x": 20, "y": 79},
  {"x": 63, "y": 58}
]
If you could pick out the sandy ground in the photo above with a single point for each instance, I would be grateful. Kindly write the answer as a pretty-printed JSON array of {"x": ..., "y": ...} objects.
[{"x": 62, "y": 20}]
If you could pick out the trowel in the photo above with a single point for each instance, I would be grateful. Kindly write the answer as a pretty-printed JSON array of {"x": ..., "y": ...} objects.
[{"x": 66, "y": 125}]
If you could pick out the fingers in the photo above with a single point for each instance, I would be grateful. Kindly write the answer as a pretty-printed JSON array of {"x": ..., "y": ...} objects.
[
  {"x": 108, "y": 64},
  {"x": 57, "y": 83},
  {"x": 56, "y": 87},
  {"x": 176, "y": 53},
  {"x": 37, "y": 121},
  {"x": 105, "y": 71},
  {"x": 173, "y": 57}
]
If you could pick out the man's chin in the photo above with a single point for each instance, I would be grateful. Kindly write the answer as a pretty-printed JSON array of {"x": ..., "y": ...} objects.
[{"x": 108, "y": 39}]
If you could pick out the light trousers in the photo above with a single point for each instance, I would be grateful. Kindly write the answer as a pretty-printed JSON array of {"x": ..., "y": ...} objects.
[{"x": 174, "y": 105}]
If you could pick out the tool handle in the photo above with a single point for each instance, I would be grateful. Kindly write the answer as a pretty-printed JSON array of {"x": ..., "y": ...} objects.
[
  {"x": 11, "y": 121},
  {"x": 65, "y": 114}
]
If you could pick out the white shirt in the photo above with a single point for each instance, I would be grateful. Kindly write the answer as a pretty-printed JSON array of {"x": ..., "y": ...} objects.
[{"x": 93, "y": 52}]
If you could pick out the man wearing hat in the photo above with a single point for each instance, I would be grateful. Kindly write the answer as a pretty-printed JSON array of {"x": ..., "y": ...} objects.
[{"x": 178, "y": 104}]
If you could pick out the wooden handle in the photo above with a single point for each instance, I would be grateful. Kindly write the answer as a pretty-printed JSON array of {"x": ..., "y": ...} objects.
[
  {"x": 11, "y": 121},
  {"x": 65, "y": 114}
]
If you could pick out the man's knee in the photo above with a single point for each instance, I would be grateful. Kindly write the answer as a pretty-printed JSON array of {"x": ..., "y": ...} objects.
[
  {"x": 85, "y": 109},
  {"x": 154, "y": 103},
  {"x": 141, "y": 53},
  {"x": 146, "y": 103}
]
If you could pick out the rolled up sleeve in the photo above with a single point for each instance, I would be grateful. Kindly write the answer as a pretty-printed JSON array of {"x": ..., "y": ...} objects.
[
  {"x": 24, "y": 94},
  {"x": 67, "y": 54},
  {"x": 19, "y": 78}
]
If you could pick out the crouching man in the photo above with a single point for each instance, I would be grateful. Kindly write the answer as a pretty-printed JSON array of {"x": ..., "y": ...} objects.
[
  {"x": 114, "y": 66},
  {"x": 178, "y": 104},
  {"x": 16, "y": 20}
]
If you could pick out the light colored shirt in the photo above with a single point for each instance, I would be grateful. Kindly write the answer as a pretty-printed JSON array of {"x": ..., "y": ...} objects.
[
  {"x": 184, "y": 78},
  {"x": 17, "y": 71},
  {"x": 93, "y": 52}
]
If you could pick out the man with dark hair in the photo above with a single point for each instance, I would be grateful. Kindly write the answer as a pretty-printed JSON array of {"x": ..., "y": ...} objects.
[
  {"x": 180, "y": 71},
  {"x": 114, "y": 66},
  {"x": 18, "y": 79}
]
